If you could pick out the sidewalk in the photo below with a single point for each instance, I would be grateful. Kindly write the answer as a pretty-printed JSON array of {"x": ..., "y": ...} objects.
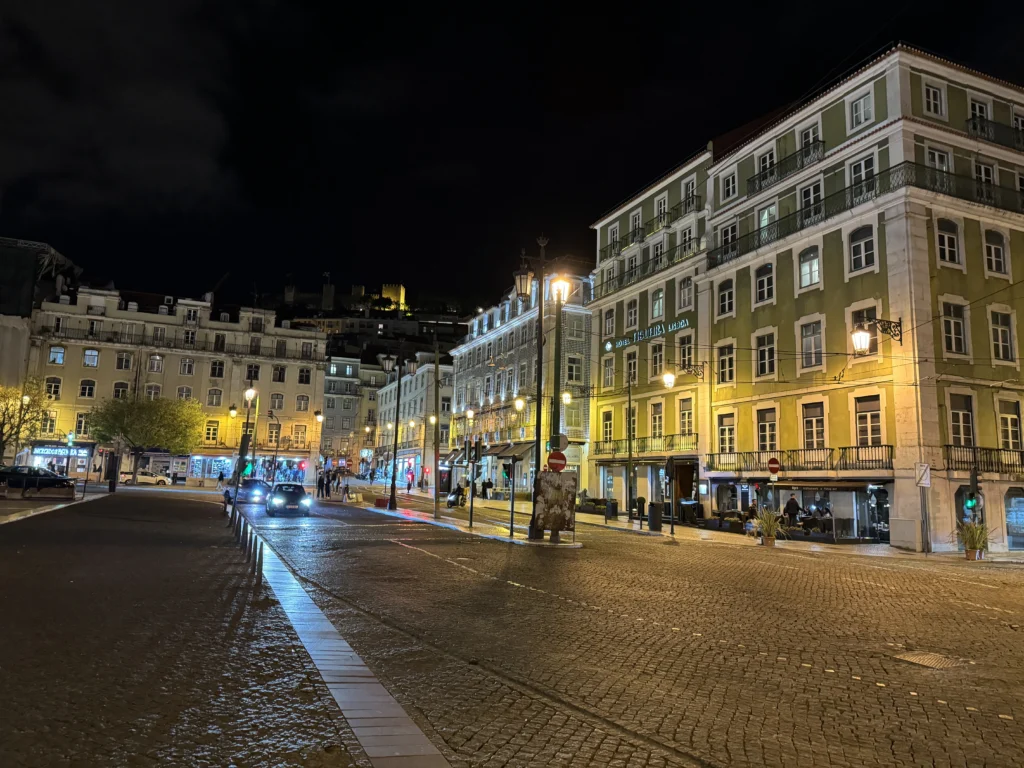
[{"x": 16, "y": 508}]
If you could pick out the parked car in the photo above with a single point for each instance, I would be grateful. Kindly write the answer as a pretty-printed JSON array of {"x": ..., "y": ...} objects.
[
  {"x": 145, "y": 477},
  {"x": 288, "y": 497},
  {"x": 250, "y": 491},
  {"x": 31, "y": 480}
]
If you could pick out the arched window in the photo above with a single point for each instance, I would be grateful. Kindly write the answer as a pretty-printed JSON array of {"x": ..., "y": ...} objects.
[
  {"x": 862, "y": 248},
  {"x": 277, "y": 401},
  {"x": 949, "y": 241},
  {"x": 725, "y": 298},
  {"x": 765, "y": 283},
  {"x": 995, "y": 252},
  {"x": 53, "y": 387},
  {"x": 302, "y": 403},
  {"x": 213, "y": 397},
  {"x": 87, "y": 388},
  {"x": 120, "y": 390},
  {"x": 184, "y": 393},
  {"x": 810, "y": 267}
]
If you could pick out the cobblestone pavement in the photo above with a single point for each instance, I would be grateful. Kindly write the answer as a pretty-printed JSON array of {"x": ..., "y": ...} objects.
[
  {"x": 130, "y": 636},
  {"x": 637, "y": 652}
]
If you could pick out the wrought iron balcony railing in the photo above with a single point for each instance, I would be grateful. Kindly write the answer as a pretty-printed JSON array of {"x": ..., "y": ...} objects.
[
  {"x": 894, "y": 178},
  {"x": 673, "y": 255},
  {"x": 787, "y": 166},
  {"x": 869, "y": 457},
  {"x": 1003, "y": 461},
  {"x": 865, "y": 457},
  {"x": 645, "y": 445},
  {"x": 686, "y": 206},
  {"x": 996, "y": 133}
]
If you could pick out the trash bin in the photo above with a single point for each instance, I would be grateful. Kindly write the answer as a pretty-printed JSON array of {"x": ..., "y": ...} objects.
[
  {"x": 641, "y": 502},
  {"x": 654, "y": 510},
  {"x": 613, "y": 508}
]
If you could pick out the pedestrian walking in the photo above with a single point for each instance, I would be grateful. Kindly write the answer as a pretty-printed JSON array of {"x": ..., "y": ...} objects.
[
  {"x": 319, "y": 486},
  {"x": 408, "y": 488},
  {"x": 174, "y": 478},
  {"x": 327, "y": 487},
  {"x": 220, "y": 481},
  {"x": 792, "y": 509},
  {"x": 345, "y": 493}
]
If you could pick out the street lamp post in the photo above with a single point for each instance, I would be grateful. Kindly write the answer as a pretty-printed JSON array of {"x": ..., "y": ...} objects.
[
  {"x": 319, "y": 445},
  {"x": 410, "y": 366},
  {"x": 243, "y": 445},
  {"x": 277, "y": 442},
  {"x": 560, "y": 289}
]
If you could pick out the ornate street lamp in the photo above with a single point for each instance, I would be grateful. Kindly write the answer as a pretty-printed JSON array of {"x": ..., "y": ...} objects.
[
  {"x": 861, "y": 339},
  {"x": 670, "y": 379},
  {"x": 567, "y": 397}
]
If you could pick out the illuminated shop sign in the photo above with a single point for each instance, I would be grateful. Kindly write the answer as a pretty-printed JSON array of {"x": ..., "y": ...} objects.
[
  {"x": 651, "y": 332},
  {"x": 54, "y": 450}
]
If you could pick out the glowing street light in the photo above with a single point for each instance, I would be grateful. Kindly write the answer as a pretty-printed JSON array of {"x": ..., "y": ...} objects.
[
  {"x": 566, "y": 397},
  {"x": 560, "y": 289},
  {"x": 433, "y": 419},
  {"x": 367, "y": 428},
  {"x": 520, "y": 403},
  {"x": 670, "y": 379},
  {"x": 390, "y": 426},
  {"x": 861, "y": 340},
  {"x": 25, "y": 399},
  {"x": 470, "y": 414},
  {"x": 233, "y": 411},
  {"x": 319, "y": 416},
  {"x": 250, "y": 393}
]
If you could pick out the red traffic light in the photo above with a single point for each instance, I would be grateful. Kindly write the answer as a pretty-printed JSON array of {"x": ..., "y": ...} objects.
[
  {"x": 427, "y": 470},
  {"x": 302, "y": 466}
]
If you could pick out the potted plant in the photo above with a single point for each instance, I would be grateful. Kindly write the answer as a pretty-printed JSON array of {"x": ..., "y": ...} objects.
[
  {"x": 768, "y": 524},
  {"x": 733, "y": 524},
  {"x": 974, "y": 537}
]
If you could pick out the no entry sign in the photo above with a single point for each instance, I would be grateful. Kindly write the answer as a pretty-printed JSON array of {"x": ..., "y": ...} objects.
[
  {"x": 556, "y": 461},
  {"x": 774, "y": 466}
]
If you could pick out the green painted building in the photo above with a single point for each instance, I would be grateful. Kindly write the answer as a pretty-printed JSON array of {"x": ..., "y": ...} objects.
[{"x": 892, "y": 204}]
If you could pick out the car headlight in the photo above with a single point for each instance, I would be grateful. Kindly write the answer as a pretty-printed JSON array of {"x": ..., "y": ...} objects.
[
  {"x": 257, "y": 494},
  {"x": 307, "y": 501},
  {"x": 277, "y": 501}
]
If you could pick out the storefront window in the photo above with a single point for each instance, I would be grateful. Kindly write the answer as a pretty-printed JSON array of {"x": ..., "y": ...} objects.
[{"x": 1014, "y": 504}]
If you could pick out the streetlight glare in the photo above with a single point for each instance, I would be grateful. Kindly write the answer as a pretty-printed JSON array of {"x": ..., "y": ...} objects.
[
  {"x": 470, "y": 414},
  {"x": 520, "y": 403},
  {"x": 412, "y": 424},
  {"x": 250, "y": 393},
  {"x": 233, "y": 411},
  {"x": 669, "y": 379},
  {"x": 861, "y": 340},
  {"x": 566, "y": 397},
  {"x": 367, "y": 430},
  {"x": 390, "y": 426},
  {"x": 433, "y": 419},
  {"x": 560, "y": 288},
  {"x": 25, "y": 399}
]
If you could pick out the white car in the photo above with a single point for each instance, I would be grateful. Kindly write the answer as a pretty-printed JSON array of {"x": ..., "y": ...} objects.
[{"x": 145, "y": 478}]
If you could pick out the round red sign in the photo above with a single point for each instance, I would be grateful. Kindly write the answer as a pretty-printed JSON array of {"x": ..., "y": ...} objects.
[
  {"x": 556, "y": 461},
  {"x": 774, "y": 466}
]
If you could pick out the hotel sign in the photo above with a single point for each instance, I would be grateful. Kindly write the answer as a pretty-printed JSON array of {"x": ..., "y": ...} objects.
[{"x": 651, "y": 332}]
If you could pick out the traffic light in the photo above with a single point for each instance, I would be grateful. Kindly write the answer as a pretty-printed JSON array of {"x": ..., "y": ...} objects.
[
  {"x": 506, "y": 470},
  {"x": 302, "y": 466}
]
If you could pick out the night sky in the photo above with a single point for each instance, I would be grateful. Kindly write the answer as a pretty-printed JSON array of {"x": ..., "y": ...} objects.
[{"x": 165, "y": 144}]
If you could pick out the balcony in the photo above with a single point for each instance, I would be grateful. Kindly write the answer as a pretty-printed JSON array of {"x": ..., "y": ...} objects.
[
  {"x": 787, "y": 166},
  {"x": 865, "y": 457},
  {"x": 672, "y": 256},
  {"x": 997, "y": 460},
  {"x": 996, "y": 133},
  {"x": 646, "y": 445},
  {"x": 889, "y": 180},
  {"x": 685, "y": 206},
  {"x": 218, "y": 346}
]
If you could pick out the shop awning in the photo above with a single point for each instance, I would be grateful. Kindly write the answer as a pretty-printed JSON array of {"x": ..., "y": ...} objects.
[
  {"x": 822, "y": 485},
  {"x": 520, "y": 451},
  {"x": 451, "y": 457},
  {"x": 494, "y": 450}
]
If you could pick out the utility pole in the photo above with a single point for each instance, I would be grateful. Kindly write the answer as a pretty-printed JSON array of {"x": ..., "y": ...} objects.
[
  {"x": 629, "y": 446},
  {"x": 437, "y": 426},
  {"x": 393, "y": 498},
  {"x": 556, "y": 384},
  {"x": 538, "y": 457}
]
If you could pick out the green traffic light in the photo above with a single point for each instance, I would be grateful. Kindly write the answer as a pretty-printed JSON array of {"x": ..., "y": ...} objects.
[{"x": 970, "y": 503}]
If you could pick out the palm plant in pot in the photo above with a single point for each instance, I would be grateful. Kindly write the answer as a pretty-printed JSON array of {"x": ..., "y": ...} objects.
[
  {"x": 973, "y": 535},
  {"x": 769, "y": 525}
]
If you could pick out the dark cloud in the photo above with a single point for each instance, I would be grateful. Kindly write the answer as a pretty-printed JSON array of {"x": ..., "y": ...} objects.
[{"x": 110, "y": 106}]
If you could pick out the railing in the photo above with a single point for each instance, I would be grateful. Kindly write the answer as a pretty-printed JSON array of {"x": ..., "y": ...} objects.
[
  {"x": 997, "y": 133},
  {"x": 285, "y": 444},
  {"x": 999, "y": 460},
  {"x": 757, "y": 461},
  {"x": 889, "y": 180},
  {"x": 865, "y": 457},
  {"x": 787, "y": 166},
  {"x": 633, "y": 237},
  {"x": 641, "y": 445},
  {"x": 140, "y": 340},
  {"x": 809, "y": 459},
  {"x": 686, "y": 206},
  {"x": 673, "y": 255},
  {"x": 658, "y": 222},
  {"x": 613, "y": 249},
  {"x": 724, "y": 462}
]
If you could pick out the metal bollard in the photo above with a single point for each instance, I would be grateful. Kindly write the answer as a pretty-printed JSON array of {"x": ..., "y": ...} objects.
[
  {"x": 255, "y": 548},
  {"x": 250, "y": 545},
  {"x": 259, "y": 566}
]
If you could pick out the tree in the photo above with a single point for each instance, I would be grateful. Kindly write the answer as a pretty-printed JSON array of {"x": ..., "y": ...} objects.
[
  {"x": 20, "y": 420},
  {"x": 174, "y": 425}
]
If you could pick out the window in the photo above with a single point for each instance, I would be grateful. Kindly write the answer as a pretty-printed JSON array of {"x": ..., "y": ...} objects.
[
  {"x": 277, "y": 374},
  {"x": 767, "y": 215},
  {"x": 631, "y": 366},
  {"x": 809, "y": 135},
  {"x": 809, "y": 267},
  {"x": 1002, "y": 337},
  {"x": 938, "y": 159},
  {"x": 811, "y": 208},
  {"x": 862, "y": 248},
  {"x": 191, "y": 315},
  {"x": 635, "y": 223},
  {"x": 53, "y": 387},
  {"x": 862, "y": 177},
  {"x": 212, "y": 431},
  {"x": 979, "y": 109},
  {"x": 219, "y": 342},
  {"x": 276, "y": 401},
  {"x": 95, "y": 326},
  {"x": 765, "y": 284},
  {"x": 306, "y": 352},
  {"x": 961, "y": 416},
  {"x": 631, "y": 423},
  {"x": 159, "y": 334},
  {"x": 184, "y": 393},
  {"x": 729, "y": 186},
  {"x": 869, "y": 420},
  {"x": 305, "y": 375},
  {"x": 609, "y": 322},
  {"x": 866, "y": 317},
  {"x": 608, "y": 372},
  {"x": 631, "y": 266},
  {"x": 995, "y": 259},
  {"x": 120, "y": 390},
  {"x": 685, "y": 238},
  {"x": 156, "y": 364},
  {"x": 685, "y": 293},
  {"x": 91, "y": 358},
  {"x": 302, "y": 403},
  {"x": 686, "y": 350},
  {"x": 329, "y": 403},
  {"x": 766, "y": 355},
  {"x": 56, "y": 356},
  {"x": 725, "y": 298},
  {"x": 87, "y": 388},
  {"x": 329, "y": 422},
  {"x": 575, "y": 330},
  {"x": 213, "y": 397},
  {"x": 346, "y": 404},
  {"x": 656, "y": 255},
  {"x": 58, "y": 324},
  {"x": 953, "y": 328},
  {"x": 765, "y": 164},
  {"x": 657, "y": 420},
  {"x": 1018, "y": 122},
  {"x": 949, "y": 241},
  {"x": 256, "y": 325},
  {"x": 446, "y": 405},
  {"x": 574, "y": 369},
  {"x": 252, "y": 372},
  {"x": 606, "y": 426},
  {"x": 727, "y": 433},
  {"x": 729, "y": 235},
  {"x": 48, "y": 425},
  {"x": 686, "y": 416},
  {"x": 254, "y": 345},
  {"x": 81, "y": 424},
  {"x": 152, "y": 391},
  {"x": 187, "y": 366},
  {"x": 1009, "y": 425},
  {"x": 124, "y": 361},
  {"x": 726, "y": 364},
  {"x": 810, "y": 344},
  {"x": 189, "y": 338},
  {"x": 631, "y": 313},
  {"x": 860, "y": 111},
  {"x": 273, "y": 433},
  {"x": 657, "y": 359},
  {"x": 658, "y": 303},
  {"x": 814, "y": 425},
  {"x": 984, "y": 174},
  {"x": 766, "y": 430},
  {"x": 934, "y": 103}
]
